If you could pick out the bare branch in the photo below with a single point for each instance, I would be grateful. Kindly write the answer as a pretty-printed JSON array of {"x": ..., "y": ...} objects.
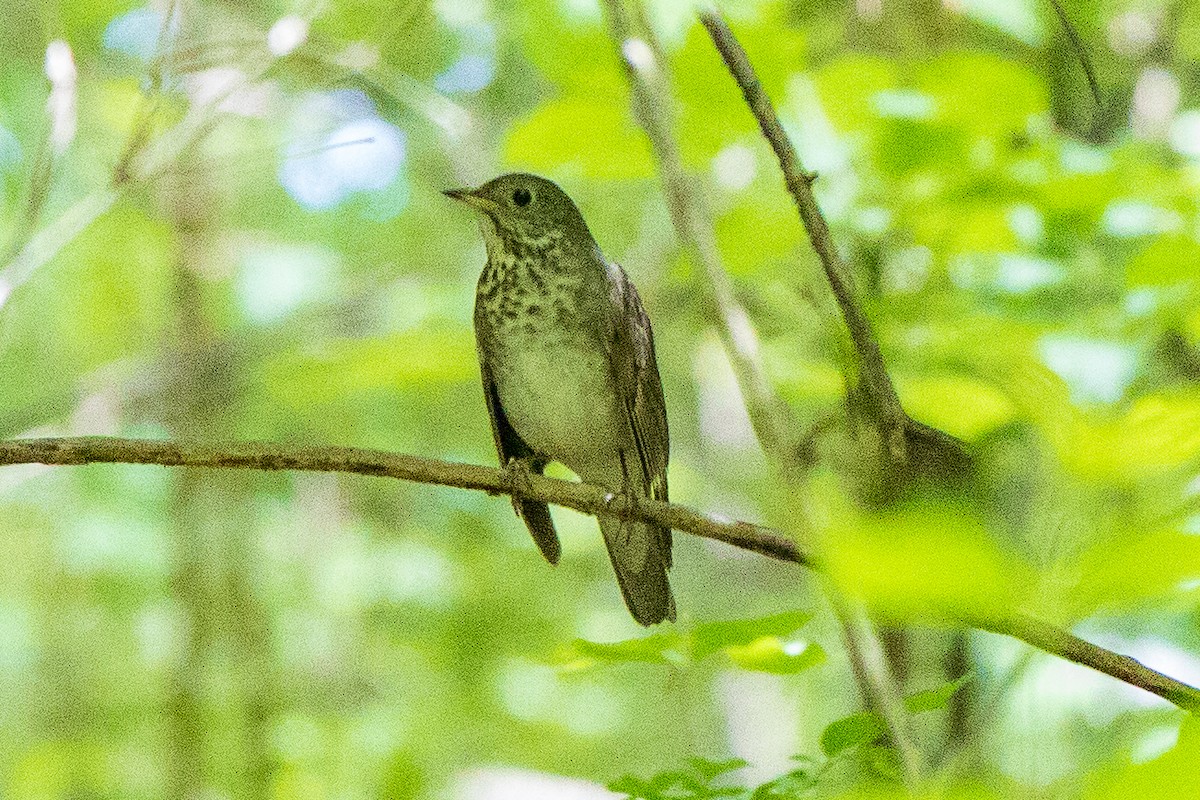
[
  {"x": 1080, "y": 50},
  {"x": 579, "y": 496},
  {"x": 874, "y": 392},
  {"x": 649, "y": 82},
  {"x": 378, "y": 463}
]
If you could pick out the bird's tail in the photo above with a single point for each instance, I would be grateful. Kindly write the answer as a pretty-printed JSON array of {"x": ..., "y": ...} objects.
[{"x": 641, "y": 556}]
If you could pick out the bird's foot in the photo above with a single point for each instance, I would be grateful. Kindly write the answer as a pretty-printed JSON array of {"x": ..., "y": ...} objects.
[
  {"x": 518, "y": 475},
  {"x": 626, "y": 501}
]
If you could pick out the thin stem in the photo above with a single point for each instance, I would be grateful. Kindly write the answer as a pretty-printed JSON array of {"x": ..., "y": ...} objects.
[
  {"x": 873, "y": 378},
  {"x": 653, "y": 98}
]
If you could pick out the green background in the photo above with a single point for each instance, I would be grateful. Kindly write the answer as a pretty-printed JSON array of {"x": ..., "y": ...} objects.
[{"x": 211, "y": 251}]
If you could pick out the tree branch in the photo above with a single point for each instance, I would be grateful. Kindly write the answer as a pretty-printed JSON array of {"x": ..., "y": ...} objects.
[
  {"x": 649, "y": 78},
  {"x": 579, "y": 496},
  {"x": 898, "y": 433},
  {"x": 582, "y": 497},
  {"x": 649, "y": 83}
]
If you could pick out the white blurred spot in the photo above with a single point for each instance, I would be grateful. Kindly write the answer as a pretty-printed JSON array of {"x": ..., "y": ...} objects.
[
  {"x": 5, "y": 291},
  {"x": 723, "y": 417},
  {"x": 907, "y": 270},
  {"x": 904, "y": 104},
  {"x": 1026, "y": 222},
  {"x": 869, "y": 9},
  {"x": 358, "y": 56},
  {"x": 134, "y": 33},
  {"x": 1155, "y": 100},
  {"x": 1096, "y": 371},
  {"x": 735, "y": 167},
  {"x": 1017, "y": 274},
  {"x": 511, "y": 783},
  {"x": 60, "y": 71},
  {"x": 470, "y": 73},
  {"x": 417, "y": 573},
  {"x": 638, "y": 54},
  {"x": 763, "y": 722},
  {"x": 1128, "y": 218},
  {"x": 526, "y": 688},
  {"x": 287, "y": 34},
  {"x": 273, "y": 282},
  {"x": 229, "y": 89},
  {"x": 461, "y": 13},
  {"x": 1132, "y": 33},
  {"x": 1084, "y": 160},
  {"x": 1140, "y": 302},
  {"x": 1185, "y": 133},
  {"x": 60, "y": 63},
  {"x": 363, "y": 155}
]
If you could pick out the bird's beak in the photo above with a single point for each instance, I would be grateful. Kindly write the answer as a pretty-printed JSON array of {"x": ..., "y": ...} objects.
[{"x": 472, "y": 199}]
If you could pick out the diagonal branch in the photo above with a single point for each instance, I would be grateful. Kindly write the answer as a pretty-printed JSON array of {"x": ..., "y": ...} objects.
[
  {"x": 898, "y": 433},
  {"x": 579, "y": 496},
  {"x": 649, "y": 83},
  {"x": 649, "y": 79}
]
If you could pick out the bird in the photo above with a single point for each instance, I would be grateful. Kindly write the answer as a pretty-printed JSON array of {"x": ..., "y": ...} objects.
[{"x": 566, "y": 356}]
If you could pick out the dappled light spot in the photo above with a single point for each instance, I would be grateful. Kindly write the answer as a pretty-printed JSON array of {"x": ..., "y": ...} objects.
[
  {"x": 286, "y": 35},
  {"x": 511, "y": 783},
  {"x": 274, "y": 282},
  {"x": 1129, "y": 218},
  {"x": 1185, "y": 133},
  {"x": 364, "y": 154},
  {"x": 735, "y": 167},
  {"x": 1096, "y": 371},
  {"x": 904, "y": 104},
  {"x": 134, "y": 33}
]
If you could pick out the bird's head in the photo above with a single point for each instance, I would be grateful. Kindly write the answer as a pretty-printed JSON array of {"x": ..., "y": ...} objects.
[{"x": 527, "y": 210}]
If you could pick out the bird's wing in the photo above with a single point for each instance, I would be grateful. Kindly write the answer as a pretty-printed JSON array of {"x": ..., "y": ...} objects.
[
  {"x": 510, "y": 446},
  {"x": 635, "y": 371}
]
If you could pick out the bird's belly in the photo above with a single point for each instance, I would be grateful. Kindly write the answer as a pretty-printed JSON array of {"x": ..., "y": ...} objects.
[{"x": 561, "y": 401}]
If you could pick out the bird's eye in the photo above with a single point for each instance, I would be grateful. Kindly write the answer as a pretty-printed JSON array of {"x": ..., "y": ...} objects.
[{"x": 522, "y": 197}]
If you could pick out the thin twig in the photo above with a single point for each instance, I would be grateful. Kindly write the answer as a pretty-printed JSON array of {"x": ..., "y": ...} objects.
[
  {"x": 1080, "y": 50},
  {"x": 873, "y": 379},
  {"x": 582, "y": 497},
  {"x": 653, "y": 98}
]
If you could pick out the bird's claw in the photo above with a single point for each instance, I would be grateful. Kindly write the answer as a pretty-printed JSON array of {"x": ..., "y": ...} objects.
[{"x": 518, "y": 476}]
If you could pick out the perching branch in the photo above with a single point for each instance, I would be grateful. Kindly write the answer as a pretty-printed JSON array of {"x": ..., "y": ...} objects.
[
  {"x": 359, "y": 461},
  {"x": 579, "y": 496}
]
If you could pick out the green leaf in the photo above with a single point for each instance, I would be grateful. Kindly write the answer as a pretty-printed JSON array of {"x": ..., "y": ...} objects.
[
  {"x": 710, "y": 637},
  {"x": 708, "y": 770},
  {"x": 791, "y": 786},
  {"x": 851, "y": 731},
  {"x": 598, "y": 139},
  {"x": 1171, "y": 776},
  {"x": 933, "y": 699},
  {"x": 1167, "y": 260},
  {"x": 634, "y": 788},
  {"x": 960, "y": 405},
  {"x": 848, "y": 86},
  {"x": 659, "y": 648},
  {"x": 983, "y": 94},
  {"x": 770, "y": 654}
]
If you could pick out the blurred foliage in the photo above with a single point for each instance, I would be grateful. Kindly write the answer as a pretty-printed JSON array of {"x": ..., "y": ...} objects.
[{"x": 223, "y": 221}]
